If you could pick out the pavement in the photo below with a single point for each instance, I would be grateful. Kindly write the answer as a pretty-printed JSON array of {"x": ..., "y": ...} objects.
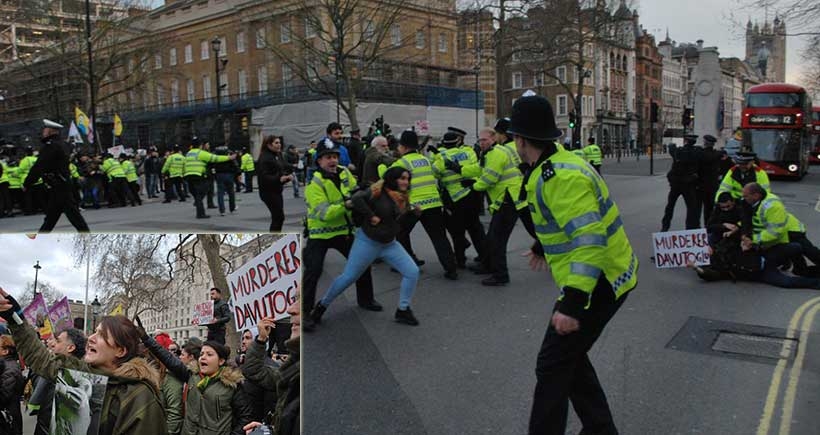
[{"x": 681, "y": 356}]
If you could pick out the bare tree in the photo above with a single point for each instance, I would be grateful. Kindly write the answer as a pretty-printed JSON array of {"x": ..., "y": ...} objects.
[{"x": 50, "y": 293}]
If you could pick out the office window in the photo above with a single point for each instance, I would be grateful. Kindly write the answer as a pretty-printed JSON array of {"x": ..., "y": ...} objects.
[
  {"x": 191, "y": 92},
  {"x": 172, "y": 56},
  {"x": 419, "y": 38},
  {"x": 442, "y": 43},
  {"x": 158, "y": 61},
  {"x": 240, "y": 42},
  {"x": 223, "y": 47},
  {"x": 204, "y": 50},
  {"x": 561, "y": 73},
  {"x": 310, "y": 30},
  {"x": 284, "y": 33},
  {"x": 206, "y": 86},
  {"x": 287, "y": 74},
  {"x": 517, "y": 82},
  {"x": 243, "y": 83},
  {"x": 160, "y": 95},
  {"x": 189, "y": 53},
  {"x": 562, "y": 105},
  {"x": 262, "y": 78},
  {"x": 395, "y": 35},
  {"x": 174, "y": 92},
  {"x": 260, "y": 37},
  {"x": 538, "y": 80}
]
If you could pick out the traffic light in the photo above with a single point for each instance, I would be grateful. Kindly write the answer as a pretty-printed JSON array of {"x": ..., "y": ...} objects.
[
  {"x": 379, "y": 123},
  {"x": 653, "y": 114},
  {"x": 572, "y": 119},
  {"x": 688, "y": 117}
]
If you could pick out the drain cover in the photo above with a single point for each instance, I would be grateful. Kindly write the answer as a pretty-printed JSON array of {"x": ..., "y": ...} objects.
[{"x": 755, "y": 345}]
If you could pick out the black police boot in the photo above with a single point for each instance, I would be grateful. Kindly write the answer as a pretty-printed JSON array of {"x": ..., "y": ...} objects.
[
  {"x": 451, "y": 275},
  {"x": 406, "y": 317},
  {"x": 371, "y": 306},
  {"x": 495, "y": 282},
  {"x": 317, "y": 312}
]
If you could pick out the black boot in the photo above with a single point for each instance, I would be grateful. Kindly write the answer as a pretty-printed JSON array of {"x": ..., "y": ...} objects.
[
  {"x": 406, "y": 317},
  {"x": 317, "y": 312}
]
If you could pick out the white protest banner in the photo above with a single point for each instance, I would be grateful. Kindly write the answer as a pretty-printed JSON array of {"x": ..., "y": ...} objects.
[
  {"x": 422, "y": 127},
  {"x": 203, "y": 313},
  {"x": 116, "y": 151},
  {"x": 677, "y": 248},
  {"x": 267, "y": 285}
]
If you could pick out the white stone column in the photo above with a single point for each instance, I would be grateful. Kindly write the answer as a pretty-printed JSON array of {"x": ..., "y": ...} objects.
[{"x": 707, "y": 92}]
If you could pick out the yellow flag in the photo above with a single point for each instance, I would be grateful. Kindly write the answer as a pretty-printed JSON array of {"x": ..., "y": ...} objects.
[
  {"x": 117, "y": 125},
  {"x": 118, "y": 311},
  {"x": 47, "y": 329},
  {"x": 82, "y": 120}
]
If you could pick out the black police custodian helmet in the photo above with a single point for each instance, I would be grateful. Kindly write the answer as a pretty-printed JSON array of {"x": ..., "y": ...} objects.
[
  {"x": 502, "y": 125},
  {"x": 533, "y": 118},
  {"x": 326, "y": 146},
  {"x": 410, "y": 139}
]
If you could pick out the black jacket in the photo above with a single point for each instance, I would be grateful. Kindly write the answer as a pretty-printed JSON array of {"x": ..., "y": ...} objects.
[
  {"x": 229, "y": 167},
  {"x": 222, "y": 314},
  {"x": 365, "y": 206},
  {"x": 51, "y": 165},
  {"x": 709, "y": 171},
  {"x": 12, "y": 383},
  {"x": 269, "y": 169},
  {"x": 152, "y": 165},
  {"x": 686, "y": 165}
]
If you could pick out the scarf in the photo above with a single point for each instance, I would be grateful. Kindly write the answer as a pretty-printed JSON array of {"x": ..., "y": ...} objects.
[
  {"x": 206, "y": 380},
  {"x": 399, "y": 198}
]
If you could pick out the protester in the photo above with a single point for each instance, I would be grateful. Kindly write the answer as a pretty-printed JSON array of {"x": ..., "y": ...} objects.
[
  {"x": 377, "y": 154},
  {"x": 222, "y": 315},
  {"x": 225, "y": 173},
  {"x": 113, "y": 351},
  {"x": 215, "y": 402},
  {"x": 272, "y": 175},
  {"x": 11, "y": 387},
  {"x": 379, "y": 210},
  {"x": 292, "y": 157},
  {"x": 259, "y": 408}
]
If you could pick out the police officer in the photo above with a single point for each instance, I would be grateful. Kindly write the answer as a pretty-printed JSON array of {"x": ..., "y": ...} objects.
[
  {"x": 117, "y": 189},
  {"x": 329, "y": 226},
  {"x": 584, "y": 244},
  {"x": 708, "y": 176},
  {"x": 461, "y": 204},
  {"x": 248, "y": 169},
  {"x": 593, "y": 154},
  {"x": 33, "y": 195},
  {"x": 174, "y": 169},
  {"x": 5, "y": 194},
  {"x": 501, "y": 179},
  {"x": 744, "y": 172},
  {"x": 131, "y": 177},
  {"x": 424, "y": 195},
  {"x": 195, "y": 166},
  {"x": 683, "y": 180},
  {"x": 52, "y": 168}
]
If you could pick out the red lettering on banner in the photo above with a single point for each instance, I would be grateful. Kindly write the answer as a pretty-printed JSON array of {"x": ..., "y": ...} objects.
[{"x": 294, "y": 253}]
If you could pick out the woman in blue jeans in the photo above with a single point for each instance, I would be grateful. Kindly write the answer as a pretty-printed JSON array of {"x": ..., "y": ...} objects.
[{"x": 378, "y": 209}]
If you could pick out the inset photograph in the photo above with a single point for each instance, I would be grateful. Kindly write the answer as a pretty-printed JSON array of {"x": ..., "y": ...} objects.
[{"x": 150, "y": 333}]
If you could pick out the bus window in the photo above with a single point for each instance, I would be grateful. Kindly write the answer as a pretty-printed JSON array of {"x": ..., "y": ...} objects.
[
  {"x": 775, "y": 100},
  {"x": 774, "y": 145}
]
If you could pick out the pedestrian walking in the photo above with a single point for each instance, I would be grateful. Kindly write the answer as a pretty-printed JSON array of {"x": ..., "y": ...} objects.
[
  {"x": 378, "y": 210},
  {"x": 153, "y": 171},
  {"x": 593, "y": 154},
  {"x": 174, "y": 168},
  {"x": 329, "y": 226},
  {"x": 273, "y": 174},
  {"x": 225, "y": 173},
  {"x": 131, "y": 403},
  {"x": 292, "y": 158},
  {"x": 683, "y": 181},
  {"x": 52, "y": 167},
  {"x": 586, "y": 249}
]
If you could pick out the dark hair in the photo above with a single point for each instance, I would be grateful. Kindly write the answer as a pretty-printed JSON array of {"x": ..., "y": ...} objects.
[
  {"x": 78, "y": 339},
  {"x": 217, "y": 289},
  {"x": 725, "y": 197},
  {"x": 222, "y": 351},
  {"x": 123, "y": 333},
  {"x": 392, "y": 175},
  {"x": 192, "y": 349},
  {"x": 333, "y": 126},
  {"x": 267, "y": 141}
]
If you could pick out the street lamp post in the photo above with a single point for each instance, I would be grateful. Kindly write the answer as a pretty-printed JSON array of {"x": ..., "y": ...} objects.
[
  {"x": 95, "y": 309},
  {"x": 92, "y": 94},
  {"x": 37, "y": 268},
  {"x": 219, "y": 66}
]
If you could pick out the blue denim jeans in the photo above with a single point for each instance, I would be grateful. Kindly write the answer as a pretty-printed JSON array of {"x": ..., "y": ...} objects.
[
  {"x": 152, "y": 184},
  {"x": 295, "y": 183},
  {"x": 224, "y": 183},
  {"x": 362, "y": 254}
]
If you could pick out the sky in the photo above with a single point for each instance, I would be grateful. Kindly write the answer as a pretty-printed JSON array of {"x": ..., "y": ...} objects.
[{"x": 19, "y": 254}]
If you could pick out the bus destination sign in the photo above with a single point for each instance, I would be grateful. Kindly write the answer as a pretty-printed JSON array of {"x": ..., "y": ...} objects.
[{"x": 772, "y": 119}]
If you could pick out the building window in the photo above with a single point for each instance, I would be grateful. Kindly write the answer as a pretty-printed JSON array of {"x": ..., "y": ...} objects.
[
  {"x": 224, "y": 88},
  {"x": 160, "y": 95},
  {"x": 158, "y": 61},
  {"x": 561, "y": 103},
  {"x": 538, "y": 80},
  {"x": 190, "y": 90},
  {"x": 260, "y": 37},
  {"x": 419, "y": 38},
  {"x": 223, "y": 47},
  {"x": 561, "y": 73},
  {"x": 517, "y": 82},
  {"x": 172, "y": 57},
  {"x": 174, "y": 92},
  {"x": 204, "y": 50},
  {"x": 189, "y": 53},
  {"x": 310, "y": 29},
  {"x": 369, "y": 30},
  {"x": 395, "y": 35},
  {"x": 262, "y": 78},
  {"x": 243, "y": 83},
  {"x": 240, "y": 42},
  {"x": 206, "y": 86},
  {"x": 284, "y": 33},
  {"x": 442, "y": 43},
  {"x": 287, "y": 74}
]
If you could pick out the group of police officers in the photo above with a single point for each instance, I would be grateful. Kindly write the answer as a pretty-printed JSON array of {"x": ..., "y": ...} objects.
[{"x": 563, "y": 203}]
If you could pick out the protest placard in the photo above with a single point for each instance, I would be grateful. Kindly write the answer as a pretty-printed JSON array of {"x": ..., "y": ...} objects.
[
  {"x": 60, "y": 315},
  {"x": 37, "y": 315},
  {"x": 677, "y": 248},
  {"x": 267, "y": 285},
  {"x": 116, "y": 151},
  {"x": 203, "y": 313}
]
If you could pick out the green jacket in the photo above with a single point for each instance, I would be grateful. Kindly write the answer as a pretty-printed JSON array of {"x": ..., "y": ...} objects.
[
  {"x": 452, "y": 181},
  {"x": 131, "y": 406},
  {"x": 285, "y": 379},
  {"x": 500, "y": 177},
  {"x": 247, "y": 163},
  {"x": 593, "y": 154},
  {"x": 174, "y": 165},
  {"x": 112, "y": 168},
  {"x": 171, "y": 390},
  {"x": 196, "y": 161},
  {"x": 327, "y": 216},
  {"x": 130, "y": 171}
]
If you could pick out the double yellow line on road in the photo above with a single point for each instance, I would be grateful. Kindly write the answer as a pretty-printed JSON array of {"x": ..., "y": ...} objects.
[{"x": 810, "y": 309}]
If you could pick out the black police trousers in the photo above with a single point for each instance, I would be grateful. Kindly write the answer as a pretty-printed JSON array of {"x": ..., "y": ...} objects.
[
  {"x": 464, "y": 218},
  {"x": 690, "y": 197},
  {"x": 314, "y": 257},
  {"x": 498, "y": 235},
  {"x": 199, "y": 188},
  {"x": 59, "y": 200},
  {"x": 432, "y": 220},
  {"x": 564, "y": 372}
]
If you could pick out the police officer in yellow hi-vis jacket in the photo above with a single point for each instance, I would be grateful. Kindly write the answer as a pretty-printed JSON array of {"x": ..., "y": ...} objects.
[
  {"x": 581, "y": 236},
  {"x": 195, "y": 166}
]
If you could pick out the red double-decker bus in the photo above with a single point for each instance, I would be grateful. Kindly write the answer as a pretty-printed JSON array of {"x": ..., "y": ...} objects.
[
  {"x": 776, "y": 126},
  {"x": 814, "y": 157}
]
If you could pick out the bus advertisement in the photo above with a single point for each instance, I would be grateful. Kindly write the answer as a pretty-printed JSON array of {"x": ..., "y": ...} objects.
[
  {"x": 814, "y": 157},
  {"x": 776, "y": 126}
]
